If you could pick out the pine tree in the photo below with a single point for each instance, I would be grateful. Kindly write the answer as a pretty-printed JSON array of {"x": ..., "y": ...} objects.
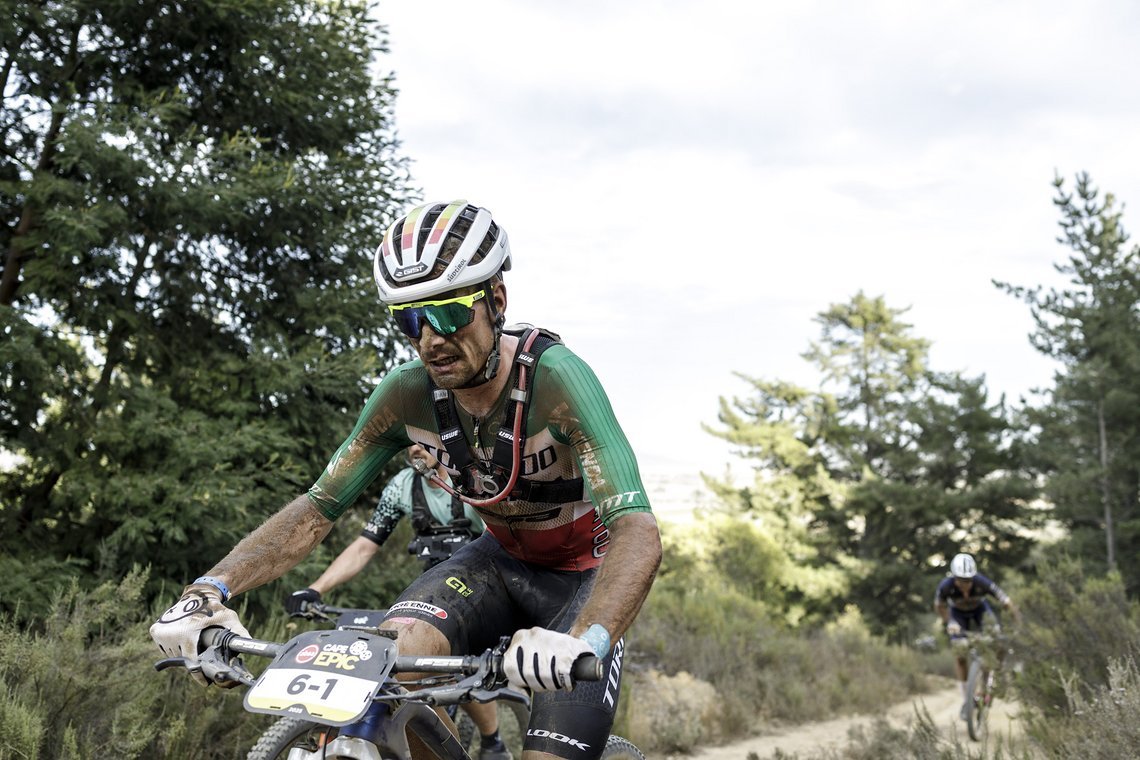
[
  {"x": 1088, "y": 436},
  {"x": 193, "y": 192},
  {"x": 889, "y": 468}
]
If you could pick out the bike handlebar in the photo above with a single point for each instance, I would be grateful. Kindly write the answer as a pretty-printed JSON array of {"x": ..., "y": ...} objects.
[
  {"x": 322, "y": 611},
  {"x": 221, "y": 647},
  {"x": 585, "y": 668}
]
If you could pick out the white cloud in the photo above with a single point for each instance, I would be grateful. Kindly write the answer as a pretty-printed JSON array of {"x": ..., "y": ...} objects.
[{"x": 686, "y": 184}]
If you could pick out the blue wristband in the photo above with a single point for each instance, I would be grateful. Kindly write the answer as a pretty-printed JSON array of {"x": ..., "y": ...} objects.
[
  {"x": 598, "y": 638},
  {"x": 210, "y": 580}
]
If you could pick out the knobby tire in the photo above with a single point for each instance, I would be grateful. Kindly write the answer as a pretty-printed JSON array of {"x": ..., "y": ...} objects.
[
  {"x": 286, "y": 733},
  {"x": 618, "y": 748},
  {"x": 975, "y": 688}
]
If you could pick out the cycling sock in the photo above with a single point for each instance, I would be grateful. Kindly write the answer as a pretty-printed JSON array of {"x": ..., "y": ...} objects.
[{"x": 490, "y": 741}]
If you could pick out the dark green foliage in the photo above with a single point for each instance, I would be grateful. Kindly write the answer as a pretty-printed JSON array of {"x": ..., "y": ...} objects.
[{"x": 193, "y": 193}]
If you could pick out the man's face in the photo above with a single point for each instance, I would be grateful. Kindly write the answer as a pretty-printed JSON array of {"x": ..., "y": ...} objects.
[{"x": 453, "y": 360}]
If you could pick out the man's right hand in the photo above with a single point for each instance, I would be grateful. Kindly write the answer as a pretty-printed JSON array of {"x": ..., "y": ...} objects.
[
  {"x": 296, "y": 602},
  {"x": 178, "y": 631},
  {"x": 953, "y": 628}
]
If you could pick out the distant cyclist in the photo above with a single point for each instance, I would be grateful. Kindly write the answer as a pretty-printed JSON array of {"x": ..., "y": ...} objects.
[
  {"x": 442, "y": 525},
  {"x": 960, "y": 601}
]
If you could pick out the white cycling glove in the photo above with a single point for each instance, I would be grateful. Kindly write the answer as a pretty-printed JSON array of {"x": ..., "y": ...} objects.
[
  {"x": 178, "y": 630},
  {"x": 952, "y": 628},
  {"x": 540, "y": 659}
]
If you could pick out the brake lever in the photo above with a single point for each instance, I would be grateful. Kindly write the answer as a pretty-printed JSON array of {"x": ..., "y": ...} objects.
[
  {"x": 509, "y": 695},
  {"x": 170, "y": 662},
  {"x": 469, "y": 689},
  {"x": 217, "y": 669}
]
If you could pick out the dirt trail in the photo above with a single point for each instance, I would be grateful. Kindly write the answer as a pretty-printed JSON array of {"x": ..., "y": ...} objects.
[{"x": 808, "y": 738}]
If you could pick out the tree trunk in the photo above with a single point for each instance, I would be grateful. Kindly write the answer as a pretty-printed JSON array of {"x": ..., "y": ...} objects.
[
  {"x": 14, "y": 261},
  {"x": 1109, "y": 537}
]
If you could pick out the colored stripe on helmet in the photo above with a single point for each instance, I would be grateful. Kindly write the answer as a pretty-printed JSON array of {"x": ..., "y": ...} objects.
[
  {"x": 443, "y": 223},
  {"x": 411, "y": 227}
]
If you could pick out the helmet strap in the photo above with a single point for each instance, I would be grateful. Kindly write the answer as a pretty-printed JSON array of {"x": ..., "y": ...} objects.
[{"x": 494, "y": 357}]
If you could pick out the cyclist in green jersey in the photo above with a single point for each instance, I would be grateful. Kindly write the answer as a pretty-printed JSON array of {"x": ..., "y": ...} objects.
[{"x": 527, "y": 434}]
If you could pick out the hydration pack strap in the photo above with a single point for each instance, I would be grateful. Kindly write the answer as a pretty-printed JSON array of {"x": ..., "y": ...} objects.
[
  {"x": 502, "y": 457},
  {"x": 421, "y": 517}
]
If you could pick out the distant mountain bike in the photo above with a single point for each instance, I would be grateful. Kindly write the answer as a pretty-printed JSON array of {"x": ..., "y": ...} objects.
[
  {"x": 342, "y": 681},
  {"x": 987, "y": 654}
]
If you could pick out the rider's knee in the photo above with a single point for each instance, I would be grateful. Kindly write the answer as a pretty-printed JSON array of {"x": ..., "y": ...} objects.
[{"x": 418, "y": 637}]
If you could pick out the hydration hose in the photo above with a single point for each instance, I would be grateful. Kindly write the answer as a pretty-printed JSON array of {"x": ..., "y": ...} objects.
[{"x": 421, "y": 465}]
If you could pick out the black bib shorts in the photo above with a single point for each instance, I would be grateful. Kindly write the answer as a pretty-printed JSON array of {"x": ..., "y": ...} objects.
[{"x": 481, "y": 594}]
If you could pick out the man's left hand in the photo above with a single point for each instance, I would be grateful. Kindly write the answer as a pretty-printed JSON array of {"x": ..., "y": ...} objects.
[{"x": 541, "y": 659}]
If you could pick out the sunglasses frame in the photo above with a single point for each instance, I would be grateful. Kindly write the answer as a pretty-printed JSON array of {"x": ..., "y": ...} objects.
[{"x": 466, "y": 300}]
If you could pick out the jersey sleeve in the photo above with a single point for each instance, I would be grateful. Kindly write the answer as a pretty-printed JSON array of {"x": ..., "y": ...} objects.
[
  {"x": 580, "y": 415},
  {"x": 395, "y": 502},
  {"x": 991, "y": 588},
  {"x": 378, "y": 436},
  {"x": 942, "y": 591}
]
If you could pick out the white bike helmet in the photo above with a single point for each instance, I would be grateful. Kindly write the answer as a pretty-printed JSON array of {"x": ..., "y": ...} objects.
[
  {"x": 439, "y": 247},
  {"x": 963, "y": 566}
]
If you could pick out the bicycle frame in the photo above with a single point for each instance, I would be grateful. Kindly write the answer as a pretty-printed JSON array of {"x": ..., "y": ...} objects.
[{"x": 985, "y": 661}]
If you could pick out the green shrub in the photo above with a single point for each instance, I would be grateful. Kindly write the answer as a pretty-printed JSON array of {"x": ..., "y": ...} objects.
[
  {"x": 82, "y": 684},
  {"x": 1075, "y": 624},
  {"x": 1102, "y": 721}
]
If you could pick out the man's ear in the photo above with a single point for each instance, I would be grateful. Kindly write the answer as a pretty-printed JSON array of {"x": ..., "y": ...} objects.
[{"x": 499, "y": 293}]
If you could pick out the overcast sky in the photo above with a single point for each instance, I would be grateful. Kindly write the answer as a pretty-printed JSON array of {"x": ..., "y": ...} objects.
[{"x": 686, "y": 185}]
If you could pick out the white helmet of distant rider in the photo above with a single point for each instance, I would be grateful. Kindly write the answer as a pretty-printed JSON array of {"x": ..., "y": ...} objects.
[
  {"x": 439, "y": 247},
  {"x": 963, "y": 566}
]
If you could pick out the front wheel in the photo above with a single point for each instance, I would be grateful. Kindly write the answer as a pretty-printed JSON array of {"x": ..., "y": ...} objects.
[
  {"x": 976, "y": 701},
  {"x": 287, "y": 733},
  {"x": 618, "y": 748}
]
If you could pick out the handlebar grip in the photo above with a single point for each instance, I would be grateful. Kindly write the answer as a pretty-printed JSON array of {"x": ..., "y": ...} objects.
[
  {"x": 587, "y": 668},
  {"x": 234, "y": 644},
  {"x": 210, "y": 636}
]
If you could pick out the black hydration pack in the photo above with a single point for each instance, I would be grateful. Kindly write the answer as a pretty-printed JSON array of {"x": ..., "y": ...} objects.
[
  {"x": 478, "y": 479},
  {"x": 435, "y": 542},
  {"x": 422, "y": 520}
]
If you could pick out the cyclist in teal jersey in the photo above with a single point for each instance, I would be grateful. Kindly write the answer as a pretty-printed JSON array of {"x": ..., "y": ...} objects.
[
  {"x": 526, "y": 432},
  {"x": 442, "y": 524}
]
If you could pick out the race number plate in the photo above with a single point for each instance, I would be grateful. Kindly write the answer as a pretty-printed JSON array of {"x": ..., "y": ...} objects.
[{"x": 325, "y": 676}]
